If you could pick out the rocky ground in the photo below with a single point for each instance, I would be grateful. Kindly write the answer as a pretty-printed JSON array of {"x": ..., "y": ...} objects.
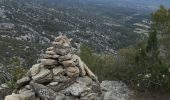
[{"x": 62, "y": 75}]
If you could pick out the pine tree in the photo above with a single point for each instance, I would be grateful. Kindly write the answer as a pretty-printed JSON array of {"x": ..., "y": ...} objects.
[
  {"x": 152, "y": 49},
  {"x": 151, "y": 71},
  {"x": 161, "y": 21}
]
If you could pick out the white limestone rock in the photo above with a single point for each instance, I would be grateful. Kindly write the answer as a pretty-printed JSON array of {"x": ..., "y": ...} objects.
[
  {"x": 72, "y": 71},
  {"x": 35, "y": 69},
  {"x": 50, "y": 52},
  {"x": 92, "y": 96},
  {"x": 47, "y": 56},
  {"x": 48, "y": 62},
  {"x": 53, "y": 83},
  {"x": 50, "y": 49},
  {"x": 114, "y": 90},
  {"x": 80, "y": 65},
  {"x": 68, "y": 63},
  {"x": 62, "y": 52},
  {"x": 26, "y": 95},
  {"x": 12, "y": 97},
  {"x": 76, "y": 89},
  {"x": 90, "y": 73},
  {"x": 43, "y": 76},
  {"x": 43, "y": 92},
  {"x": 23, "y": 81},
  {"x": 84, "y": 80},
  {"x": 65, "y": 57},
  {"x": 57, "y": 70}
]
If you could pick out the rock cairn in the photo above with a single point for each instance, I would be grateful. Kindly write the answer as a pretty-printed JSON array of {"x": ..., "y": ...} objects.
[{"x": 58, "y": 75}]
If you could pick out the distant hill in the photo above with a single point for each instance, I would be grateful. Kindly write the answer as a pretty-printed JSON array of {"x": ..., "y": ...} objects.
[
  {"x": 102, "y": 25},
  {"x": 155, "y": 3}
]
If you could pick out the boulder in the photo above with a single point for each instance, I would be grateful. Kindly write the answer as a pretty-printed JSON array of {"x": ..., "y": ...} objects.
[
  {"x": 80, "y": 65},
  {"x": 60, "y": 78},
  {"x": 26, "y": 95},
  {"x": 66, "y": 45},
  {"x": 12, "y": 97},
  {"x": 92, "y": 96},
  {"x": 63, "y": 84},
  {"x": 60, "y": 97},
  {"x": 114, "y": 90},
  {"x": 59, "y": 43},
  {"x": 62, "y": 51},
  {"x": 47, "y": 56},
  {"x": 62, "y": 40},
  {"x": 70, "y": 98},
  {"x": 4, "y": 86},
  {"x": 50, "y": 49},
  {"x": 72, "y": 71},
  {"x": 76, "y": 89},
  {"x": 84, "y": 80},
  {"x": 57, "y": 70},
  {"x": 35, "y": 69},
  {"x": 50, "y": 53},
  {"x": 68, "y": 63},
  {"x": 43, "y": 76},
  {"x": 53, "y": 83},
  {"x": 65, "y": 57},
  {"x": 48, "y": 62},
  {"x": 95, "y": 86},
  {"x": 90, "y": 73},
  {"x": 45, "y": 79},
  {"x": 23, "y": 90},
  {"x": 23, "y": 81},
  {"x": 28, "y": 87},
  {"x": 43, "y": 92}
]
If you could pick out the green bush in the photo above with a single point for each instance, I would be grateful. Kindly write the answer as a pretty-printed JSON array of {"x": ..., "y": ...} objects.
[
  {"x": 141, "y": 67},
  {"x": 100, "y": 64}
]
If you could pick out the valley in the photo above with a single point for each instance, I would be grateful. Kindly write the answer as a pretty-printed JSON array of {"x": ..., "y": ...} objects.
[{"x": 103, "y": 28}]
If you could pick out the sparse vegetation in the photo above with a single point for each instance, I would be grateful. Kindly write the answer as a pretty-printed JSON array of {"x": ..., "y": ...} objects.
[
  {"x": 13, "y": 72},
  {"x": 11, "y": 48},
  {"x": 106, "y": 36},
  {"x": 100, "y": 64},
  {"x": 145, "y": 66}
]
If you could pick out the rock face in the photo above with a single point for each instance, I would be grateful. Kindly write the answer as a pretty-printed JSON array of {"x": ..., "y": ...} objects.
[{"x": 58, "y": 75}]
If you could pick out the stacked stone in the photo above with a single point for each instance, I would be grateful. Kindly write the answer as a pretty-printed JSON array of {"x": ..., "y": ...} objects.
[{"x": 58, "y": 75}]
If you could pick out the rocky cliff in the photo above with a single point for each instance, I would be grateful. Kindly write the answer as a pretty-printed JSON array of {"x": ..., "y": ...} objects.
[{"x": 62, "y": 75}]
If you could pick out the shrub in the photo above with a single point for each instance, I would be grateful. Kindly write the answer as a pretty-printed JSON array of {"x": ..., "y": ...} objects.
[{"x": 100, "y": 64}]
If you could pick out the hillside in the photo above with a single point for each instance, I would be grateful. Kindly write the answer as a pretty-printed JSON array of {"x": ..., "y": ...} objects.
[
  {"x": 118, "y": 40},
  {"x": 104, "y": 30}
]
